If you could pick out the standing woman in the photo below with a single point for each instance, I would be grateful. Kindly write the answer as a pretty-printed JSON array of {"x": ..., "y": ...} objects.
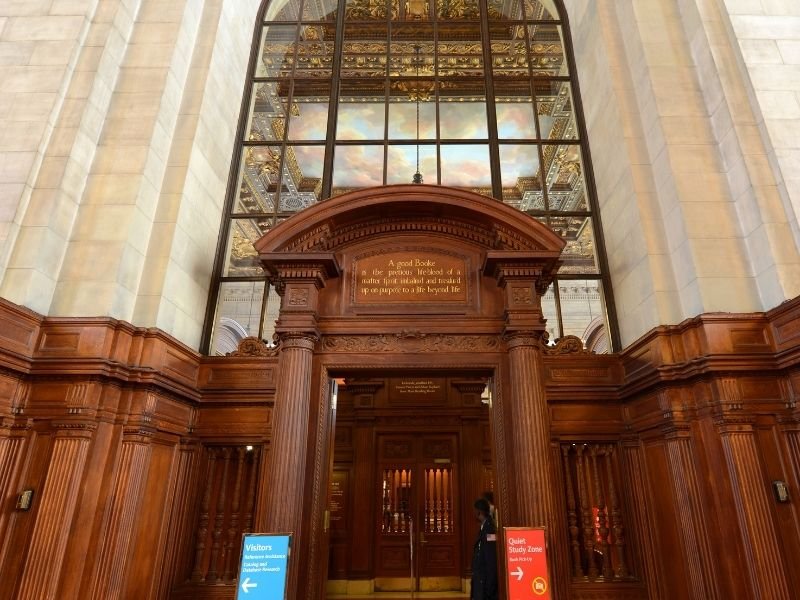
[{"x": 484, "y": 555}]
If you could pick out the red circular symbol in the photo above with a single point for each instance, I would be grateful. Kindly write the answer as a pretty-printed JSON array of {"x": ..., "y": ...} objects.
[{"x": 539, "y": 586}]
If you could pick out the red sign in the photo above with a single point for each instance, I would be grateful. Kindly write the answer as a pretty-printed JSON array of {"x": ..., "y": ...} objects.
[{"x": 526, "y": 564}]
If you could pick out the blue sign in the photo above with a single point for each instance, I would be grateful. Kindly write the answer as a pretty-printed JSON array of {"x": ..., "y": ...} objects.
[{"x": 262, "y": 570}]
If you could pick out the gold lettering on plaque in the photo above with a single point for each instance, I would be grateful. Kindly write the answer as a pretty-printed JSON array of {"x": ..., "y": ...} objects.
[{"x": 410, "y": 276}]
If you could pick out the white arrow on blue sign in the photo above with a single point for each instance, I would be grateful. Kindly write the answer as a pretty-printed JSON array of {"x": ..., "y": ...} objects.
[{"x": 262, "y": 569}]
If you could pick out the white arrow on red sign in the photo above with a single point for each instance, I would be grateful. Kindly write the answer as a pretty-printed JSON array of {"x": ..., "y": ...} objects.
[{"x": 518, "y": 573}]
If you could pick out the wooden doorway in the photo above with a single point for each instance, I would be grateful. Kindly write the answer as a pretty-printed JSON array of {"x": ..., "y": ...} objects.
[
  {"x": 419, "y": 541},
  {"x": 411, "y": 454}
]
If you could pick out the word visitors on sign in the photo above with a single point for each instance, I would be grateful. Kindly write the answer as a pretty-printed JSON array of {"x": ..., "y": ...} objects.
[{"x": 262, "y": 569}]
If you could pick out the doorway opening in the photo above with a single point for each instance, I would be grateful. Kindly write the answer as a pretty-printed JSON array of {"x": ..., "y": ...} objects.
[{"x": 412, "y": 452}]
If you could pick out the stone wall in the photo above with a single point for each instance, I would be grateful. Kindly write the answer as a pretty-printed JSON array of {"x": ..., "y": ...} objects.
[
  {"x": 121, "y": 118},
  {"x": 694, "y": 213}
]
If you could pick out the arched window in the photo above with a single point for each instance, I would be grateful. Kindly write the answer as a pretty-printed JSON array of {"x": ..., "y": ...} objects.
[{"x": 348, "y": 94}]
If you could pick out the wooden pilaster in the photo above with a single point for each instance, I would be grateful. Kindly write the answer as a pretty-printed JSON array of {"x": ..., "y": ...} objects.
[
  {"x": 693, "y": 527},
  {"x": 768, "y": 576},
  {"x": 56, "y": 511},
  {"x": 109, "y": 572},
  {"x": 289, "y": 466}
]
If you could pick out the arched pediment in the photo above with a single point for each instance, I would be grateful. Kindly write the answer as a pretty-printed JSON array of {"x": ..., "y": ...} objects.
[{"x": 351, "y": 218}]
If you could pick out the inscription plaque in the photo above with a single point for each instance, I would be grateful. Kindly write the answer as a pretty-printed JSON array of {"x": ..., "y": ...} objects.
[
  {"x": 413, "y": 391},
  {"x": 410, "y": 276},
  {"x": 337, "y": 500}
]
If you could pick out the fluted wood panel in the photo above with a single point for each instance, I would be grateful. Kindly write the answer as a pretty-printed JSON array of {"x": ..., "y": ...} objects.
[
  {"x": 109, "y": 572},
  {"x": 287, "y": 457},
  {"x": 641, "y": 512},
  {"x": 693, "y": 528},
  {"x": 42, "y": 570},
  {"x": 11, "y": 451},
  {"x": 529, "y": 419},
  {"x": 793, "y": 442},
  {"x": 173, "y": 548},
  {"x": 753, "y": 508}
]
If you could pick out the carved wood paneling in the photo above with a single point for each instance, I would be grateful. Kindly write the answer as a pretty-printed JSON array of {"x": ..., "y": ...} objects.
[
  {"x": 693, "y": 527},
  {"x": 654, "y": 394},
  {"x": 225, "y": 512},
  {"x": 638, "y": 490},
  {"x": 411, "y": 342},
  {"x": 596, "y": 524},
  {"x": 56, "y": 511},
  {"x": 174, "y": 550},
  {"x": 12, "y": 455},
  {"x": 768, "y": 577},
  {"x": 530, "y": 421},
  {"x": 290, "y": 438},
  {"x": 108, "y": 578}
]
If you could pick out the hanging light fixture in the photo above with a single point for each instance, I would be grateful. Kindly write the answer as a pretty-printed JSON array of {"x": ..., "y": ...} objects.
[{"x": 417, "y": 176}]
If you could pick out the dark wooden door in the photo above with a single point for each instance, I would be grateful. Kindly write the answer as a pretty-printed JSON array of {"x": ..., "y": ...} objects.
[{"x": 418, "y": 524}]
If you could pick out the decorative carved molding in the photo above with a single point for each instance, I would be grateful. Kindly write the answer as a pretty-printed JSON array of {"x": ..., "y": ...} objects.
[
  {"x": 411, "y": 342},
  {"x": 729, "y": 394},
  {"x": 470, "y": 387},
  {"x": 569, "y": 344},
  {"x": 522, "y": 295},
  {"x": 298, "y": 339},
  {"x": 322, "y": 238},
  {"x": 253, "y": 346},
  {"x": 298, "y": 297},
  {"x": 77, "y": 398},
  {"x": 519, "y": 339},
  {"x": 363, "y": 386},
  {"x": 313, "y": 271},
  {"x": 20, "y": 398},
  {"x": 76, "y": 428}
]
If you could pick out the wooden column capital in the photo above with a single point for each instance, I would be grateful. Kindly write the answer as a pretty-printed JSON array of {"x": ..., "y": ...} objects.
[
  {"x": 523, "y": 339},
  {"x": 298, "y": 278},
  {"x": 524, "y": 278},
  {"x": 299, "y": 340},
  {"x": 311, "y": 268}
]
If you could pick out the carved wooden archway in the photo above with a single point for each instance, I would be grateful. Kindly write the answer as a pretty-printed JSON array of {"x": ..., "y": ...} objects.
[{"x": 468, "y": 295}]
